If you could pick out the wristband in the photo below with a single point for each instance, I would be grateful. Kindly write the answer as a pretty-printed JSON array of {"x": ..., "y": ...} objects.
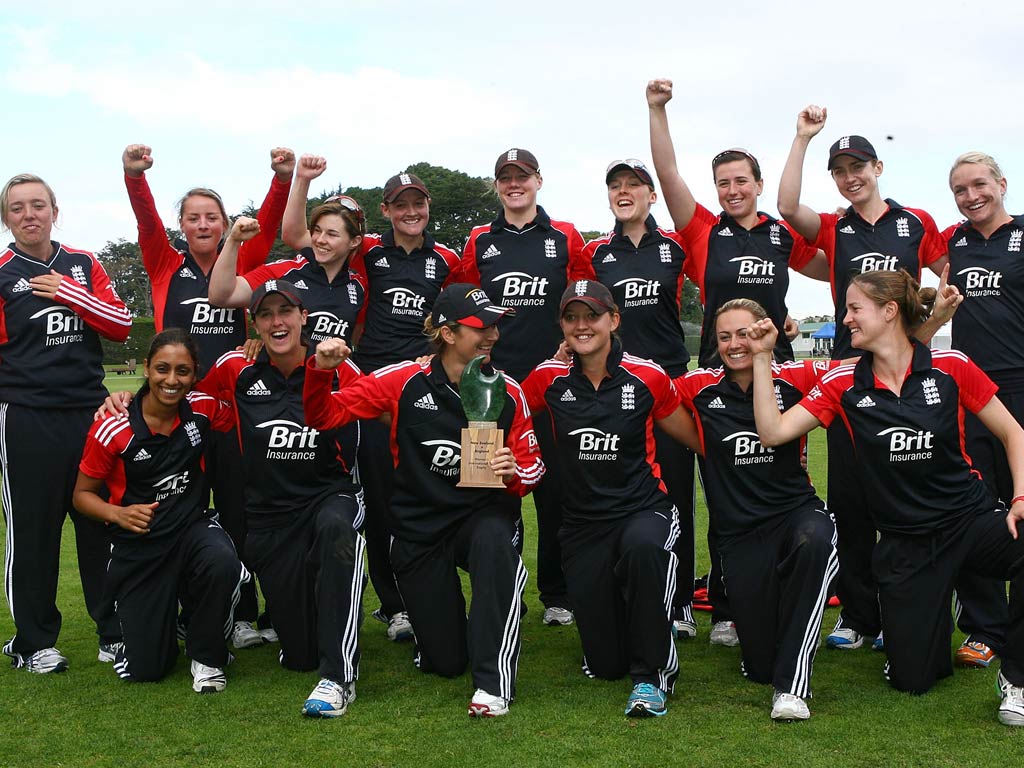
[{"x": 1015, "y": 499}]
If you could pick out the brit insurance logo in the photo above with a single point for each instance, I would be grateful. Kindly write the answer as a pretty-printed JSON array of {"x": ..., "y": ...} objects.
[
  {"x": 405, "y": 302},
  {"x": 874, "y": 261},
  {"x": 63, "y": 326},
  {"x": 754, "y": 269},
  {"x": 172, "y": 485},
  {"x": 908, "y": 444},
  {"x": 289, "y": 441},
  {"x": 979, "y": 281},
  {"x": 519, "y": 289},
  {"x": 326, "y": 325},
  {"x": 637, "y": 292},
  {"x": 596, "y": 445},
  {"x": 207, "y": 320},
  {"x": 747, "y": 449},
  {"x": 446, "y": 456}
]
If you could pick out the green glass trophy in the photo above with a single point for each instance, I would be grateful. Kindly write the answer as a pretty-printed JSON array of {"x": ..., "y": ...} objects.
[{"x": 483, "y": 399}]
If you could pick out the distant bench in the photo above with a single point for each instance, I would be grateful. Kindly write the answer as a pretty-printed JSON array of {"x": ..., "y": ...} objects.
[{"x": 128, "y": 368}]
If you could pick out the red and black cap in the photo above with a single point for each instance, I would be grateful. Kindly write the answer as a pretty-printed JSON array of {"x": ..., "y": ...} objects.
[
  {"x": 283, "y": 288},
  {"x": 592, "y": 293},
  {"x": 629, "y": 164},
  {"x": 466, "y": 304},
  {"x": 400, "y": 182},
  {"x": 523, "y": 159},
  {"x": 854, "y": 146}
]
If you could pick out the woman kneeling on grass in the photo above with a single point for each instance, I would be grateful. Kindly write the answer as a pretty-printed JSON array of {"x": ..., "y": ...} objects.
[
  {"x": 439, "y": 527},
  {"x": 165, "y": 546},
  {"x": 903, "y": 406},
  {"x": 619, "y": 523}
]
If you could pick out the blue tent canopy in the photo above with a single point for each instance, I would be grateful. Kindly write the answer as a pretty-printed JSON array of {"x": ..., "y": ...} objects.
[{"x": 827, "y": 331}]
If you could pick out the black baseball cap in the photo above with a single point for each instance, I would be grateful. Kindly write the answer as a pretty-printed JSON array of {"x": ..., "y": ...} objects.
[
  {"x": 400, "y": 182},
  {"x": 854, "y": 146},
  {"x": 523, "y": 159},
  {"x": 630, "y": 164},
  {"x": 592, "y": 293},
  {"x": 466, "y": 304},
  {"x": 283, "y": 288}
]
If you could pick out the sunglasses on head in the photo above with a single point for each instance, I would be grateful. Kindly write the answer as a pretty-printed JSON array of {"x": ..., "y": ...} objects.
[
  {"x": 349, "y": 204},
  {"x": 720, "y": 157}
]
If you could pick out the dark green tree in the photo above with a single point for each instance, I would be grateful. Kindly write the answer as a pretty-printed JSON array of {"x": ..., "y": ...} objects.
[{"x": 123, "y": 262}]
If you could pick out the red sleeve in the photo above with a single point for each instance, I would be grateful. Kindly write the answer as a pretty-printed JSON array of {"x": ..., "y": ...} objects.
[
  {"x": 579, "y": 265},
  {"x": 357, "y": 266},
  {"x": 695, "y": 237},
  {"x": 254, "y": 252},
  {"x": 666, "y": 396},
  {"x": 467, "y": 271},
  {"x": 160, "y": 260},
  {"x": 802, "y": 252},
  {"x": 102, "y": 310},
  {"x": 272, "y": 271},
  {"x": 220, "y": 413},
  {"x": 976, "y": 388},
  {"x": 803, "y": 374},
  {"x": 538, "y": 381},
  {"x": 221, "y": 379},
  {"x": 98, "y": 460},
  {"x": 357, "y": 398},
  {"x": 822, "y": 402},
  {"x": 451, "y": 258},
  {"x": 933, "y": 245},
  {"x": 826, "y": 239},
  {"x": 688, "y": 385},
  {"x": 523, "y": 442},
  {"x": 586, "y": 269}
]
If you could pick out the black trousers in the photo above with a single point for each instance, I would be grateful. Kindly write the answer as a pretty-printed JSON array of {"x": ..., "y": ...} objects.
[
  {"x": 226, "y": 475},
  {"x": 446, "y": 640},
  {"x": 201, "y": 569},
  {"x": 377, "y": 473},
  {"x": 547, "y": 498},
  {"x": 621, "y": 576},
  {"x": 39, "y": 453},
  {"x": 676, "y": 462},
  {"x": 916, "y": 576},
  {"x": 311, "y": 573},
  {"x": 777, "y": 576},
  {"x": 720, "y": 610}
]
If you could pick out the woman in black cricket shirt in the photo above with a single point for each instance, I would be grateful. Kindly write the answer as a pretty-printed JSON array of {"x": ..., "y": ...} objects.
[
  {"x": 740, "y": 253},
  {"x": 439, "y": 527},
  {"x": 903, "y": 405},
  {"x": 620, "y": 525},
  {"x": 166, "y": 548}
]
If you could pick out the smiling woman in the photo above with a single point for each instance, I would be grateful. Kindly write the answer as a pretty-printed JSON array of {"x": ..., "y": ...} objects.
[{"x": 55, "y": 303}]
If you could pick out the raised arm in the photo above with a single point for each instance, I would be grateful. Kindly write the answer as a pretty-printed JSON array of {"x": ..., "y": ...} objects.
[
  {"x": 947, "y": 299},
  {"x": 294, "y": 229},
  {"x": 226, "y": 288},
  {"x": 774, "y": 427},
  {"x": 678, "y": 198},
  {"x": 804, "y": 220}
]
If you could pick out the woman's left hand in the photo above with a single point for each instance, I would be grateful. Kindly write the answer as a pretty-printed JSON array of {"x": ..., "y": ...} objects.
[
  {"x": 1015, "y": 516},
  {"x": 504, "y": 463},
  {"x": 947, "y": 298},
  {"x": 761, "y": 336},
  {"x": 282, "y": 163},
  {"x": 46, "y": 286}
]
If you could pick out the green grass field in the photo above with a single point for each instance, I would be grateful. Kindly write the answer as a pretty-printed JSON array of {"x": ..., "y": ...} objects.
[{"x": 402, "y": 717}]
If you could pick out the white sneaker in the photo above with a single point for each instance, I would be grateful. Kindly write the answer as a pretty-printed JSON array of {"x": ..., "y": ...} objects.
[
  {"x": 269, "y": 635},
  {"x": 787, "y": 706},
  {"x": 484, "y": 704},
  {"x": 685, "y": 628},
  {"x": 108, "y": 652},
  {"x": 245, "y": 635},
  {"x": 207, "y": 679},
  {"x": 42, "y": 662},
  {"x": 1011, "y": 710},
  {"x": 400, "y": 628},
  {"x": 724, "y": 633},
  {"x": 845, "y": 639},
  {"x": 328, "y": 699},
  {"x": 557, "y": 616}
]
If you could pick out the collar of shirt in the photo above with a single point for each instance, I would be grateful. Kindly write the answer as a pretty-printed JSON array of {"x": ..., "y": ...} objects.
[
  {"x": 894, "y": 207},
  {"x": 540, "y": 220},
  {"x": 388, "y": 241},
  {"x": 864, "y": 376},
  {"x": 612, "y": 365},
  {"x": 650, "y": 225},
  {"x": 138, "y": 421}
]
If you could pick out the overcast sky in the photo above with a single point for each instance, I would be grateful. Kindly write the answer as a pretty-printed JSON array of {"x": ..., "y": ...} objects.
[{"x": 375, "y": 86}]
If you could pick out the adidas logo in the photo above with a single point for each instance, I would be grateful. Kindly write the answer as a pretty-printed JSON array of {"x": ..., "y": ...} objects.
[
  {"x": 142, "y": 455},
  {"x": 568, "y": 397},
  {"x": 725, "y": 232},
  {"x": 259, "y": 388},
  {"x": 382, "y": 263},
  {"x": 186, "y": 272},
  {"x": 301, "y": 284},
  {"x": 866, "y": 402},
  {"x": 608, "y": 259},
  {"x": 21, "y": 286},
  {"x": 847, "y": 230},
  {"x": 716, "y": 403},
  {"x": 491, "y": 252},
  {"x": 959, "y": 244},
  {"x": 426, "y": 402}
]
